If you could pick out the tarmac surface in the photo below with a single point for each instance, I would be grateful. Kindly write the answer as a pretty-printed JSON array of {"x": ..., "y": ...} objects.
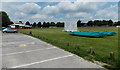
[{"x": 22, "y": 51}]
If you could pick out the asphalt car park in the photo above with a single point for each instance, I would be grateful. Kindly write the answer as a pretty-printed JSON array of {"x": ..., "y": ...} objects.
[{"x": 22, "y": 51}]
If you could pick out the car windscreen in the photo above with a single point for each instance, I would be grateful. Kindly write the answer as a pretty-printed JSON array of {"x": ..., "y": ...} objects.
[{"x": 9, "y": 29}]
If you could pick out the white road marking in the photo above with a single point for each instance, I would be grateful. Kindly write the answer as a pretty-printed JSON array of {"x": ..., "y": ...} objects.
[
  {"x": 27, "y": 51},
  {"x": 41, "y": 61},
  {"x": 7, "y": 43},
  {"x": 20, "y": 43}
]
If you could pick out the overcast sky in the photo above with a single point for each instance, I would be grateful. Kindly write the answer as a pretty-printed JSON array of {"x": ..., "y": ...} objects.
[{"x": 60, "y": 11}]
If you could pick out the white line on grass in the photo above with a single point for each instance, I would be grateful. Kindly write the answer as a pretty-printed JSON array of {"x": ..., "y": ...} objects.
[
  {"x": 27, "y": 51},
  {"x": 41, "y": 61}
]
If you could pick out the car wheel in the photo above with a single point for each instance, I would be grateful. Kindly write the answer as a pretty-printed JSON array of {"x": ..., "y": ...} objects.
[{"x": 4, "y": 32}]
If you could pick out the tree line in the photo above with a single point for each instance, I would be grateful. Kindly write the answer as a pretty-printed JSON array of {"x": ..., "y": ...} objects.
[
  {"x": 45, "y": 24},
  {"x": 98, "y": 23}
]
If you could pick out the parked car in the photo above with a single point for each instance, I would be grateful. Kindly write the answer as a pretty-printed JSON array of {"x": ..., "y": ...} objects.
[
  {"x": 9, "y": 30},
  {"x": 1, "y": 28}
]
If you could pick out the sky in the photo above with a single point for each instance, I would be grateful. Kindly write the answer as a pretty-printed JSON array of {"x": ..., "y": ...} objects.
[{"x": 60, "y": 11}]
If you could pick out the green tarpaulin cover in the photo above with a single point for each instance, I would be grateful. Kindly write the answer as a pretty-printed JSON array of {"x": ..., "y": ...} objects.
[
  {"x": 105, "y": 33},
  {"x": 93, "y": 33}
]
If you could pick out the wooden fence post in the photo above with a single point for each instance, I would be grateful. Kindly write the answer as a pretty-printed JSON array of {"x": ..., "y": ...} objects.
[
  {"x": 68, "y": 44},
  {"x": 91, "y": 50},
  {"x": 112, "y": 56},
  {"x": 30, "y": 32},
  {"x": 77, "y": 47}
]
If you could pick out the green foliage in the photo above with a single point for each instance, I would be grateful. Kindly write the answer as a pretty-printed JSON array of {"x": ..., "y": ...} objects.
[
  {"x": 45, "y": 24},
  {"x": 5, "y": 19},
  {"x": 20, "y": 22},
  {"x": 79, "y": 23},
  {"x": 52, "y": 24},
  {"x": 116, "y": 23},
  {"x": 11, "y": 22},
  {"x": 27, "y": 23},
  {"x": 34, "y": 24},
  {"x": 98, "y": 23},
  {"x": 90, "y": 23},
  {"x": 39, "y": 25},
  {"x": 110, "y": 23},
  {"x": 60, "y": 24}
]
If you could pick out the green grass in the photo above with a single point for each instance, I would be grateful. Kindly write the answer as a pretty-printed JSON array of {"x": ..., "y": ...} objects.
[{"x": 101, "y": 46}]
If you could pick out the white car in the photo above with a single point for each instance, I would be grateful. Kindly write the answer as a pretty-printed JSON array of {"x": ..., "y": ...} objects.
[{"x": 9, "y": 30}]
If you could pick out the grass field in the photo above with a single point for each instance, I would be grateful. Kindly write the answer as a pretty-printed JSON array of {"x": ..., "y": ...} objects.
[{"x": 101, "y": 46}]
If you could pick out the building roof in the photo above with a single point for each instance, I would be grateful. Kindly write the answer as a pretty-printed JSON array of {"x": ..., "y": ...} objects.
[{"x": 20, "y": 24}]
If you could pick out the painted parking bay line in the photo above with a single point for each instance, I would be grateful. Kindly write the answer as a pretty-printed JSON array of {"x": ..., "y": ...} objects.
[
  {"x": 25, "y": 45},
  {"x": 42, "y": 61},
  {"x": 28, "y": 51},
  {"x": 20, "y": 43}
]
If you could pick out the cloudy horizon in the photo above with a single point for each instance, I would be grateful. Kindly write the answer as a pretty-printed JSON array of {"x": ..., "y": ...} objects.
[{"x": 60, "y": 11}]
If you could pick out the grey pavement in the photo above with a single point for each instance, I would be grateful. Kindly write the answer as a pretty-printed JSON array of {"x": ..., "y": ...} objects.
[
  {"x": 22, "y": 51},
  {"x": 0, "y": 50}
]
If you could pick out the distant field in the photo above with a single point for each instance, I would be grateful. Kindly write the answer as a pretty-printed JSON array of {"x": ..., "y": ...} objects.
[{"x": 101, "y": 46}]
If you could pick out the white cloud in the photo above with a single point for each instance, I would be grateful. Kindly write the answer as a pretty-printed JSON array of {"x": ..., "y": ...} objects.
[
  {"x": 0, "y": 6},
  {"x": 108, "y": 13},
  {"x": 20, "y": 15},
  {"x": 59, "y": 8},
  {"x": 59, "y": 0},
  {"x": 51, "y": 10},
  {"x": 29, "y": 8},
  {"x": 68, "y": 7},
  {"x": 74, "y": 10},
  {"x": 39, "y": 16},
  {"x": 79, "y": 15}
]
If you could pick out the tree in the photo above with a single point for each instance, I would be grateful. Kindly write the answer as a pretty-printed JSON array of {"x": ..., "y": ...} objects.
[
  {"x": 90, "y": 23},
  {"x": 34, "y": 24},
  {"x": 83, "y": 24},
  {"x": 20, "y": 22},
  {"x": 101, "y": 22},
  {"x": 78, "y": 23},
  {"x": 48, "y": 24},
  {"x": 45, "y": 24},
  {"x": 60, "y": 24},
  {"x": 52, "y": 24},
  {"x": 116, "y": 23},
  {"x": 39, "y": 25},
  {"x": 97, "y": 23},
  {"x": 110, "y": 22},
  {"x": 105, "y": 23},
  {"x": 5, "y": 19},
  {"x": 11, "y": 22},
  {"x": 27, "y": 23}
]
